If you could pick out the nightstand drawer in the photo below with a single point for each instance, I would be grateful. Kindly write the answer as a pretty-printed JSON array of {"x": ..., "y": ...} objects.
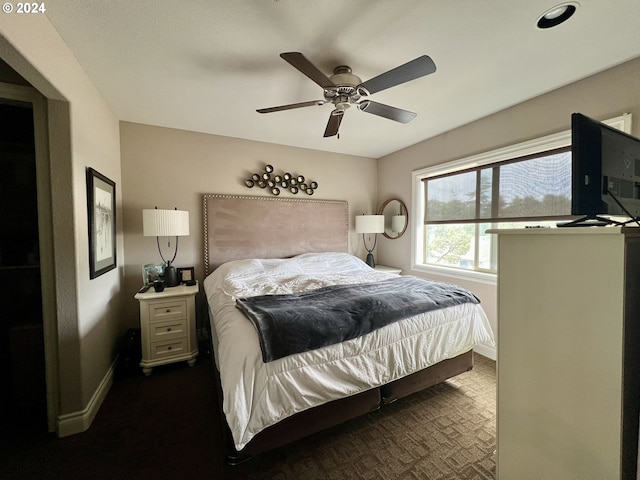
[
  {"x": 168, "y": 329},
  {"x": 168, "y": 348},
  {"x": 167, "y": 310}
]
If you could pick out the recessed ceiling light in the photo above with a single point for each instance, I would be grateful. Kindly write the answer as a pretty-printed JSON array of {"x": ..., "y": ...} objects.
[{"x": 557, "y": 15}]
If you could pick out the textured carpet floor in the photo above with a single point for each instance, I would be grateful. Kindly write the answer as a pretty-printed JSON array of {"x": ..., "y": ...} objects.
[
  {"x": 165, "y": 426},
  {"x": 445, "y": 432}
]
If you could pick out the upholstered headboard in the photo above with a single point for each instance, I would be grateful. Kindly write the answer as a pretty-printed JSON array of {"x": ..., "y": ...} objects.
[{"x": 240, "y": 226}]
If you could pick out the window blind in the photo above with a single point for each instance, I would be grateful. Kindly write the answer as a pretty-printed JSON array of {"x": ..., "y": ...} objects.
[{"x": 532, "y": 187}]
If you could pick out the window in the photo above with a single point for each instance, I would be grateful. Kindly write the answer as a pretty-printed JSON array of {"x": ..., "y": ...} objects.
[
  {"x": 456, "y": 203},
  {"x": 461, "y": 206}
]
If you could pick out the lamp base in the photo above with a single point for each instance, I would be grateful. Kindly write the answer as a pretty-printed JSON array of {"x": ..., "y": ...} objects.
[
  {"x": 170, "y": 276},
  {"x": 370, "y": 261}
]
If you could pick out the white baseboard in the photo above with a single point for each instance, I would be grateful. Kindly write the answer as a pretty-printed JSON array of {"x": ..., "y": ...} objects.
[
  {"x": 78, "y": 422},
  {"x": 489, "y": 352}
]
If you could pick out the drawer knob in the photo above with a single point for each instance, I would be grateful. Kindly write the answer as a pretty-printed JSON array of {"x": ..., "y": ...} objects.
[
  {"x": 168, "y": 310},
  {"x": 169, "y": 347},
  {"x": 168, "y": 329}
]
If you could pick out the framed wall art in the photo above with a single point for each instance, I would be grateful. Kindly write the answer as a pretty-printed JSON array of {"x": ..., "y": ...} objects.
[
  {"x": 101, "y": 208},
  {"x": 186, "y": 274}
]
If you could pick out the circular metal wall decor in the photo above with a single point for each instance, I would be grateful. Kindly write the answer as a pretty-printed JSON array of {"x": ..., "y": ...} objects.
[{"x": 281, "y": 182}]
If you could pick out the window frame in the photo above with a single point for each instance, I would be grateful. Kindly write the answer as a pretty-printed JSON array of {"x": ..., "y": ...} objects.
[{"x": 535, "y": 146}]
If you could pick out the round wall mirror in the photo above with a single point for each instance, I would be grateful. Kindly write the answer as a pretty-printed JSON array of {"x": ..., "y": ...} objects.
[{"x": 396, "y": 218}]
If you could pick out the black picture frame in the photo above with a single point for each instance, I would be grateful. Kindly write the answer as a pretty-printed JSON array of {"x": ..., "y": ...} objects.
[
  {"x": 101, "y": 210},
  {"x": 186, "y": 274}
]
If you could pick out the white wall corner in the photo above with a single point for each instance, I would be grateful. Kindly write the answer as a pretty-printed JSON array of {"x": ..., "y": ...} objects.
[
  {"x": 80, "y": 421},
  {"x": 489, "y": 352}
]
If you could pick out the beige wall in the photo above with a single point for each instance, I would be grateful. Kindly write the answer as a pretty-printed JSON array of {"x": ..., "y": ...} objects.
[
  {"x": 605, "y": 95},
  {"x": 170, "y": 168},
  {"x": 83, "y": 133}
]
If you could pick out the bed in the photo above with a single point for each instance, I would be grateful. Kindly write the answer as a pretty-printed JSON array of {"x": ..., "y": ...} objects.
[{"x": 262, "y": 251}]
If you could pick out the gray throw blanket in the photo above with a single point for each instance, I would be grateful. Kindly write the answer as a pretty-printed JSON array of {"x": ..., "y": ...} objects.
[{"x": 300, "y": 322}]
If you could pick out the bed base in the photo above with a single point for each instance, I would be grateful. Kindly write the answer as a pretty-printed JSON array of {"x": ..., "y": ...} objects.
[
  {"x": 336, "y": 412},
  {"x": 426, "y": 378}
]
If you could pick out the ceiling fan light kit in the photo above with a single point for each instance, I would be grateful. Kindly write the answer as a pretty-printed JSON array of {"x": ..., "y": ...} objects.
[{"x": 343, "y": 89}]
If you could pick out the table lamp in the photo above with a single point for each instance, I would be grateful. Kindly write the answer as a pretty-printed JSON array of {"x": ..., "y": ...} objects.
[
  {"x": 166, "y": 223},
  {"x": 370, "y": 224},
  {"x": 398, "y": 223}
]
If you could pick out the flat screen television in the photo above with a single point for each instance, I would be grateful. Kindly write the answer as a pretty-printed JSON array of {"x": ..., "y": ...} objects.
[{"x": 605, "y": 173}]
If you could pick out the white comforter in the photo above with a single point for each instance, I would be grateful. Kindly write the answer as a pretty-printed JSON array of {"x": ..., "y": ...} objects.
[{"x": 258, "y": 394}]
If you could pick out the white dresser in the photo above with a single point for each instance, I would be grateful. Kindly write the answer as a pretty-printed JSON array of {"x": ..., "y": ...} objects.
[
  {"x": 168, "y": 326},
  {"x": 568, "y": 377}
]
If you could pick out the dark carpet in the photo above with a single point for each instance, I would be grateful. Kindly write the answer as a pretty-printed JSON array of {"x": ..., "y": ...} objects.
[{"x": 166, "y": 427}]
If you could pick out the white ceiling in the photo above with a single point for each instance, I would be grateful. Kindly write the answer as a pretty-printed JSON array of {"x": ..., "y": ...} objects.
[{"x": 207, "y": 65}]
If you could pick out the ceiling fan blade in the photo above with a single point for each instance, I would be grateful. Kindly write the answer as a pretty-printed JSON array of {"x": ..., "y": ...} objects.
[
  {"x": 417, "y": 68},
  {"x": 334, "y": 123},
  {"x": 291, "y": 106},
  {"x": 299, "y": 61},
  {"x": 386, "y": 111}
]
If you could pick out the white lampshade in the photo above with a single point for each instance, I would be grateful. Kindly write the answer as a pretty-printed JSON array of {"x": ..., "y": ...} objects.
[
  {"x": 165, "y": 223},
  {"x": 369, "y": 223},
  {"x": 397, "y": 223}
]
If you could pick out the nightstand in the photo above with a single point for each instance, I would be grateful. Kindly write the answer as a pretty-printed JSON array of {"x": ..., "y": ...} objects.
[
  {"x": 168, "y": 326},
  {"x": 384, "y": 268}
]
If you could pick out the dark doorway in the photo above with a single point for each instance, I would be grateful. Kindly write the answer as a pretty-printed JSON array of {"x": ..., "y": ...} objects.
[{"x": 22, "y": 365}]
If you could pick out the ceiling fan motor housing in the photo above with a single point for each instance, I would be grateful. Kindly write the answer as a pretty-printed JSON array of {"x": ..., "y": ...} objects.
[{"x": 345, "y": 92}]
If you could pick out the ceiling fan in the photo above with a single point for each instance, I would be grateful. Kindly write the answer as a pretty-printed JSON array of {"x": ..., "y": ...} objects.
[{"x": 344, "y": 89}]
